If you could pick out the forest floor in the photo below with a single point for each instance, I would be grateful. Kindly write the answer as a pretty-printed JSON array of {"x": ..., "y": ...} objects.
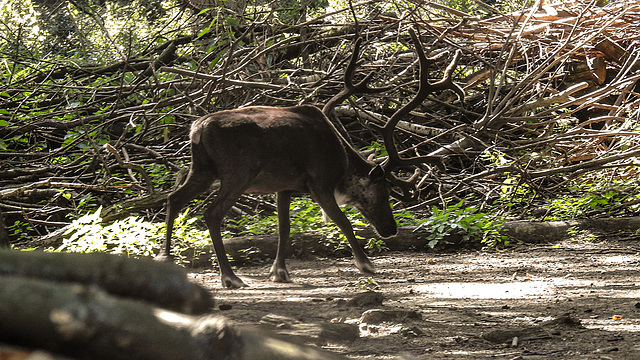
[{"x": 575, "y": 299}]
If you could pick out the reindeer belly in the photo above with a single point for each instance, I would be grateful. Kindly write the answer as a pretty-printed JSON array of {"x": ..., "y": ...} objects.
[{"x": 267, "y": 182}]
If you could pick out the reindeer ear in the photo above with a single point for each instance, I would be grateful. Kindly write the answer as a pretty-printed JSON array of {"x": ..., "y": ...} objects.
[{"x": 376, "y": 173}]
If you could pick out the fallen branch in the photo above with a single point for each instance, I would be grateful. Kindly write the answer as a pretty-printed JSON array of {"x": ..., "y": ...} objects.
[
  {"x": 199, "y": 75},
  {"x": 8, "y": 193},
  {"x": 129, "y": 165}
]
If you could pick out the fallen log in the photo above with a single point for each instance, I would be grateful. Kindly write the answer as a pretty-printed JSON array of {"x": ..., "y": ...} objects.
[
  {"x": 72, "y": 305},
  {"x": 159, "y": 283},
  {"x": 550, "y": 231},
  {"x": 86, "y": 322}
]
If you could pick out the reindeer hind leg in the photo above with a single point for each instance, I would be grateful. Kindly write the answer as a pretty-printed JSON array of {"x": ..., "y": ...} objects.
[
  {"x": 229, "y": 193},
  {"x": 198, "y": 180},
  {"x": 278, "y": 272}
]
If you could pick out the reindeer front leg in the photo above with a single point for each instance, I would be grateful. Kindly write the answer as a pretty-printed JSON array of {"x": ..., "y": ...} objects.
[
  {"x": 199, "y": 179},
  {"x": 328, "y": 203}
]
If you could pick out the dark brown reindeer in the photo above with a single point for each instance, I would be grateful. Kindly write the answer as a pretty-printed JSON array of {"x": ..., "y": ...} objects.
[{"x": 291, "y": 150}]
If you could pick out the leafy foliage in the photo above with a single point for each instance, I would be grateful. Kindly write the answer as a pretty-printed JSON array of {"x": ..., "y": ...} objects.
[
  {"x": 588, "y": 198},
  {"x": 467, "y": 222},
  {"x": 306, "y": 216},
  {"x": 368, "y": 284},
  {"x": 132, "y": 236},
  {"x": 135, "y": 236}
]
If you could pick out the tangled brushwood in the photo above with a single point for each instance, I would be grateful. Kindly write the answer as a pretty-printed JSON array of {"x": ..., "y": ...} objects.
[{"x": 551, "y": 98}]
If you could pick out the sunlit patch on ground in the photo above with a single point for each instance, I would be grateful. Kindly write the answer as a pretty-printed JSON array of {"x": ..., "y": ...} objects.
[
  {"x": 513, "y": 290},
  {"x": 617, "y": 259},
  {"x": 612, "y": 325},
  {"x": 526, "y": 289}
]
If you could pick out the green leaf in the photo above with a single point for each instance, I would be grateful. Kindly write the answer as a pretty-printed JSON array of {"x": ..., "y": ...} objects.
[
  {"x": 4, "y": 123},
  {"x": 203, "y": 11},
  {"x": 232, "y": 21},
  {"x": 204, "y": 32},
  {"x": 207, "y": 29}
]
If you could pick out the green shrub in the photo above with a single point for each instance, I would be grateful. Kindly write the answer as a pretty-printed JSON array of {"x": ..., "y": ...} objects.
[
  {"x": 133, "y": 236},
  {"x": 466, "y": 222}
]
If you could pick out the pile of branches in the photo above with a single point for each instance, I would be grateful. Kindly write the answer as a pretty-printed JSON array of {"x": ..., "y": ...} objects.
[{"x": 551, "y": 94}]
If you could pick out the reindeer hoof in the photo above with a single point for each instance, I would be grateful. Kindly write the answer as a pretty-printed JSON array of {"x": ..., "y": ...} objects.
[
  {"x": 365, "y": 267},
  {"x": 232, "y": 282},
  {"x": 279, "y": 275}
]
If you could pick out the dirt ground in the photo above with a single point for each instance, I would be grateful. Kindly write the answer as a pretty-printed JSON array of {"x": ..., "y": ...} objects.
[{"x": 572, "y": 300}]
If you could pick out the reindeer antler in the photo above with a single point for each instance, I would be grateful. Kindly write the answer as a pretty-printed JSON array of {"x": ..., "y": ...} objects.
[
  {"x": 362, "y": 87},
  {"x": 425, "y": 88},
  {"x": 394, "y": 159}
]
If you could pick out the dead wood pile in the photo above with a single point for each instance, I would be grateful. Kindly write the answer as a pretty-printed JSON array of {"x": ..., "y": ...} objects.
[{"x": 551, "y": 95}]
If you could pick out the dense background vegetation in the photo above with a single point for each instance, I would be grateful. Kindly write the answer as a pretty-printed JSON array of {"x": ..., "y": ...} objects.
[{"x": 96, "y": 98}]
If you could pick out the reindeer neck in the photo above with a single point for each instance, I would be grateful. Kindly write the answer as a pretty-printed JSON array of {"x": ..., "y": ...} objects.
[{"x": 357, "y": 164}]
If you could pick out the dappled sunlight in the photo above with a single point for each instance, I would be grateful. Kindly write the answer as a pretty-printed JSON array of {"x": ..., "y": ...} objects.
[
  {"x": 513, "y": 290},
  {"x": 172, "y": 318},
  {"x": 556, "y": 261},
  {"x": 526, "y": 289},
  {"x": 459, "y": 298},
  {"x": 617, "y": 259},
  {"x": 612, "y": 325}
]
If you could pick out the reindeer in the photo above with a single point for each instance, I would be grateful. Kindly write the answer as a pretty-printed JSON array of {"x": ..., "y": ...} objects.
[{"x": 291, "y": 150}]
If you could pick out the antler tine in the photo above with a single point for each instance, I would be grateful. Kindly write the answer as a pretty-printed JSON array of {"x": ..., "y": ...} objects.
[
  {"x": 424, "y": 89},
  {"x": 407, "y": 187},
  {"x": 362, "y": 87}
]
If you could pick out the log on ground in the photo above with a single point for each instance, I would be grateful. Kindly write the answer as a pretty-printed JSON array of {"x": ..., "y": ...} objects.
[
  {"x": 86, "y": 322},
  {"x": 164, "y": 284}
]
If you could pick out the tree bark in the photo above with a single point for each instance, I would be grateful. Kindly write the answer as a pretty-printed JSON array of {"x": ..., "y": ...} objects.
[
  {"x": 85, "y": 322},
  {"x": 159, "y": 283},
  {"x": 57, "y": 302}
]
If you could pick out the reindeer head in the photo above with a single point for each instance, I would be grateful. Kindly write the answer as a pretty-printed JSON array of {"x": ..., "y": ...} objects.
[{"x": 367, "y": 190}]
